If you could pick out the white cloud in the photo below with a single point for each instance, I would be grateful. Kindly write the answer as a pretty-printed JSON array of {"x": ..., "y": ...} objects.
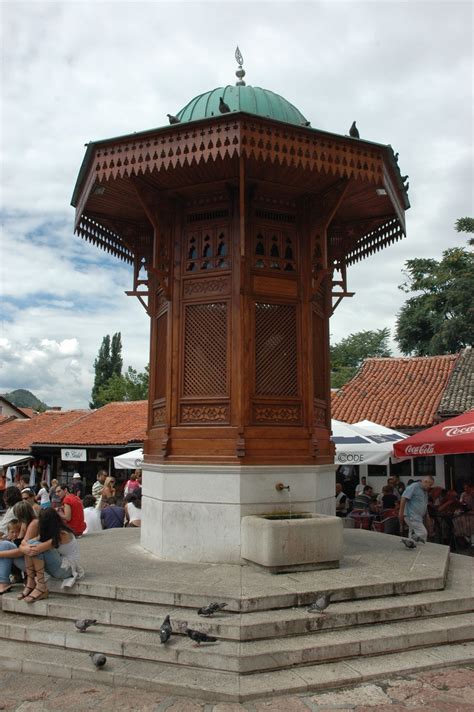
[{"x": 80, "y": 71}]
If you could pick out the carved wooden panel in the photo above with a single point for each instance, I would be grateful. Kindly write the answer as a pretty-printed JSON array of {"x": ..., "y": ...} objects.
[
  {"x": 320, "y": 413},
  {"x": 276, "y": 359},
  {"x": 205, "y": 370},
  {"x": 275, "y": 286},
  {"x": 205, "y": 413},
  {"x": 159, "y": 415},
  {"x": 206, "y": 248},
  {"x": 197, "y": 288},
  {"x": 161, "y": 355},
  {"x": 286, "y": 414},
  {"x": 274, "y": 249}
]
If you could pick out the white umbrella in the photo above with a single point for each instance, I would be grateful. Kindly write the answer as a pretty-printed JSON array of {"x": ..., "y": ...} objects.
[
  {"x": 364, "y": 443},
  {"x": 129, "y": 460}
]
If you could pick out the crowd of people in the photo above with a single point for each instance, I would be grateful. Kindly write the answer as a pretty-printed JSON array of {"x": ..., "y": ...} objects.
[
  {"x": 39, "y": 530},
  {"x": 441, "y": 515}
]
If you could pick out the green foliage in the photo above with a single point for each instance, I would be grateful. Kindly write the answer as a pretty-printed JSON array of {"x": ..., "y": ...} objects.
[
  {"x": 130, "y": 386},
  {"x": 440, "y": 318},
  {"x": 107, "y": 364},
  {"x": 466, "y": 225},
  {"x": 347, "y": 355},
  {"x": 23, "y": 398}
]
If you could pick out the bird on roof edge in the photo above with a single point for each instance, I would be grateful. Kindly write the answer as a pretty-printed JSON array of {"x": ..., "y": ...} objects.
[
  {"x": 353, "y": 132},
  {"x": 173, "y": 119},
  {"x": 223, "y": 107}
]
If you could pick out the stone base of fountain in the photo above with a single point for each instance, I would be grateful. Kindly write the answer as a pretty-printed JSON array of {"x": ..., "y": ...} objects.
[{"x": 283, "y": 543}]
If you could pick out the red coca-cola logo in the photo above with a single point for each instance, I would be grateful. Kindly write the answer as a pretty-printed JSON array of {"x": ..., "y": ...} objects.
[
  {"x": 424, "y": 449},
  {"x": 453, "y": 430}
]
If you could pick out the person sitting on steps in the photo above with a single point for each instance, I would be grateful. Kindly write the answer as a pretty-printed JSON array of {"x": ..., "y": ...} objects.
[{"x": 56, "y": 551}]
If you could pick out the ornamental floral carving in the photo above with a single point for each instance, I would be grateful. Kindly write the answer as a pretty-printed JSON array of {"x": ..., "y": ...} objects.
[
  {"x": 277, "y": 414},
  {"x": 159, "y": 415},
  {"x": 200, "y": 287},
  {"x": 204, "y": 414}
]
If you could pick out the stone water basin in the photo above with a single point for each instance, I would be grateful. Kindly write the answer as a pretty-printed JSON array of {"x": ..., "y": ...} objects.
[{"x": 301, "y": 542}]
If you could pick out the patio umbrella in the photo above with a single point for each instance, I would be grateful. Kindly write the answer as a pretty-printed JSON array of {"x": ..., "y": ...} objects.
[
  {"x": 129, "y": 460},
  {"x": 364, "y": 443},
  {"x": 451, "y": 437}
]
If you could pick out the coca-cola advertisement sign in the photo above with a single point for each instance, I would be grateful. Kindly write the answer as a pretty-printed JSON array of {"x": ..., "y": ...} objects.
[
  {"x": 452, "y": 431},
  {"x": 423, "y": 449}
]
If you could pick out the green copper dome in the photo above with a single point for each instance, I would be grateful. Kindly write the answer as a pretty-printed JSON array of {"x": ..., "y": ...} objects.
[{"x": 252, "y": 100}]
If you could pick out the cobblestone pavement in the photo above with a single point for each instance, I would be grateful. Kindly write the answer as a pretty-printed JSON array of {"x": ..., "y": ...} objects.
[{"x": 449, "y": 690}]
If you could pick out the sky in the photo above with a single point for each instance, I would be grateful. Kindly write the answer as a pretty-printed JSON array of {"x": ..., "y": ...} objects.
[{"x": 79, "y": 71}]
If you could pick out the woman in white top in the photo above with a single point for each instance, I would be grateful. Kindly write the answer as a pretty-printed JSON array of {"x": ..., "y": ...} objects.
[
  {"x": 43, "y": 496},
  {"x": 133, "y": 510},
  {"x": 91, "y": 515}
]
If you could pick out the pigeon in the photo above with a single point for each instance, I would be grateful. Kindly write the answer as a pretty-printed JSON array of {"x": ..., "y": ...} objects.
[
  {"x": 223, "y": 107},
  {"x": 407, "y": 185},
  {"x": 165, "y": 630},
  {"x": 404, "y": 179},
  {"x": 396, "y": 156},
  {"x": 306, "y": 123},
  {"x": 199, "y": 637},
  {"x": 211, "y": 608},
  {"x": 353, "y": 131},
  {"x": 85, "y": 623},
  {"x": 173, "y": 119},
  {"x": 409, "y": 543},
  {"x": 98, "y": 659},
  {"x": 320, "y": 604}
]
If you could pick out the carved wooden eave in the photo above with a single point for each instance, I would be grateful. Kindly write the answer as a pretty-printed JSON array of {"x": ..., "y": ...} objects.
[{"x": 238, "y": 137}]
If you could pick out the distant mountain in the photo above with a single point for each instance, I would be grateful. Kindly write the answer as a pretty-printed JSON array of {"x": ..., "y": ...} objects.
[{"x": 25, "y": 399}]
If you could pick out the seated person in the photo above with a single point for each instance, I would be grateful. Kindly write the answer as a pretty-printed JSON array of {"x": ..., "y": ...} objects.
[
  {"x": 467, "y": 497},
  {"x": 91, "y": 515},
  {"x": 112, "y": 516},
  {"x": 364, "y": 500},
  {"x": 28, "y": 495},
  {"x": 342, "y": 502},
  {"x": 388, "y": 499}
]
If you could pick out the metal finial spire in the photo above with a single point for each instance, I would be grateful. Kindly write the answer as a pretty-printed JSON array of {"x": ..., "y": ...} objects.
[{"x": 240, "y": 73}]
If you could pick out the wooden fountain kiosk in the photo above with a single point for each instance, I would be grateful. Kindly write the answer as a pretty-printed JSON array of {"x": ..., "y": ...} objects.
[{"x": 240, "y": 222}]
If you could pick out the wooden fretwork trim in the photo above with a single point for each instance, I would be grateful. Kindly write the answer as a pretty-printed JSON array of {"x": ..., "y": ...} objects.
[
  {"x": 249, "y": 137},
  {"x": 375, "y": 240},
  {"x": 110, "y": 242}
]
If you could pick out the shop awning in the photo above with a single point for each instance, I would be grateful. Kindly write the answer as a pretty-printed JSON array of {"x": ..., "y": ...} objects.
[
  {"x": 451, "y": 437},
  {"x": 129, "y": 460},
  {"x": 13, "y": 459},
  {"x": 363, "y": 443}
]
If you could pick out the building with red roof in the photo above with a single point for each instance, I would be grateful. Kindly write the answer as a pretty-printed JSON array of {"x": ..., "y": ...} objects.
[{"x": 71, "y": 441}]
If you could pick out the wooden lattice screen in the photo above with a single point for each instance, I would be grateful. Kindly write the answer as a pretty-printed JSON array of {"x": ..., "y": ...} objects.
[
  {"x": 275, "y": 350},
  {"x": 205, "y": 350},
  {"x": 161, "y": 332}
]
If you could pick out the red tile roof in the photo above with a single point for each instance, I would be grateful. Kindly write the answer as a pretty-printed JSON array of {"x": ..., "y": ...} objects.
[
  {"x": 395, "y": 392},
  {"x": 113, "y": 424},
  {"x": 18, "y": 435}
]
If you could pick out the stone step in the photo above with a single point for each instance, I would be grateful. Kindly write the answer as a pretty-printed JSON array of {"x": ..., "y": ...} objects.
[
  {"x": 225, "y": 686},
  {"x": 374, "y": 565},
  {"x": 251, "y": 626},
  {"x": 247, "y": 657}
]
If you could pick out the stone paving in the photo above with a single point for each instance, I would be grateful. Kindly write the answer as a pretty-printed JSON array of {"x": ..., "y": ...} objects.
[{"x": 449, "y": 690}]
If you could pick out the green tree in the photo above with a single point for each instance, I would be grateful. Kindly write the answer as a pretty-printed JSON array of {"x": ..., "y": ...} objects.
[
  {"x": 130, "y": 386},
  {"x": 347, "y": 355},
  {"x": 465, "y": 225},
  {"x": 440, "y": 318},
  {"x": 107, "y": 364}
]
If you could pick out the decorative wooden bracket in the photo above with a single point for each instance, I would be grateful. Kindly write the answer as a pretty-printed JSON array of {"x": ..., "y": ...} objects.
[
  {"x": 341, "y": 285},
  {"x": 322, "y": 209},
  {"x": 158, "y": 212}
]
